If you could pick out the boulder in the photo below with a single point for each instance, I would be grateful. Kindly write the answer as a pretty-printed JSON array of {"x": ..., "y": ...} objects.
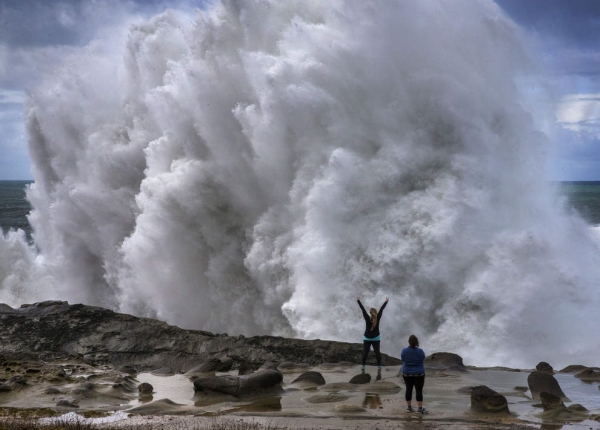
[
  {"x": 543, "y": 381},
  {"x": 486, "y": 400},
  {"x": 67, "y": 403},
  {"x": 311, "y": 378},
  {"x": 145, "y": 388},
  {"x": 550, "y": 401},
  {"x": 239, "y": 386},
  {"x": 361, "y": 378},
  {"x": 445, "y": 361},
  {"x": 544, "y": 367},
  {"x": 589, "y": 374}
]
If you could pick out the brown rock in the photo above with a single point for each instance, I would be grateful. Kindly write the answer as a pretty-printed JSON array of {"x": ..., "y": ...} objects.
[
  {"x": 543, "y": 381},
  {"x": 550, "y": 401},
  {"x": 362, "y": 378},
  {"x": 589, "y": 374},
  {"x": 145, "y": 388},
  {"x": 544, "y": 367},
  {"x": 311, "y": 378},
  {"x": 445, "y": 361},
  {"x": 486, "y": 400},
  {"x": 260, "y": 381}
]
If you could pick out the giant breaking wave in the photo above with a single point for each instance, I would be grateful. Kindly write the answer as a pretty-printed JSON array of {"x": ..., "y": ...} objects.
[{"x": 254, "y": 168}]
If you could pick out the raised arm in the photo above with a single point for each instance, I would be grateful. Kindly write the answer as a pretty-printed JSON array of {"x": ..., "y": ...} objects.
[
  {"x": 387, "y": 299},
  {"x": 365, "y": 314}
]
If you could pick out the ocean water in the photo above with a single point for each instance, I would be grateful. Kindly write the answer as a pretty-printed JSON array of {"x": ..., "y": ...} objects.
[
  {"x": 254, "y": 167},
  {"x": 14, "y": 207},
  {"x": 582, "y": 197}
]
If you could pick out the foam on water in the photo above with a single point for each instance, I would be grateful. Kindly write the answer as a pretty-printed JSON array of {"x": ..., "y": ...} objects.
[{"x": 256, "y": 167}]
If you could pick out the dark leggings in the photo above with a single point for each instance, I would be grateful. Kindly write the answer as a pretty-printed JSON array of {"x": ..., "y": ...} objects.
[
  {"x": 367, "y": 347},
  {"x": 417, "y": 382}
]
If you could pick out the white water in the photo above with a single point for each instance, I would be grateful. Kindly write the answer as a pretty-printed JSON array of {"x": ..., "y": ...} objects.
[{"x": 255, "y": 168}]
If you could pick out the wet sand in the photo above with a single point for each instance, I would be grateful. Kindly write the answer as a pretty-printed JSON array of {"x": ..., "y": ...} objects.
[{"x": 378, "y": 404}]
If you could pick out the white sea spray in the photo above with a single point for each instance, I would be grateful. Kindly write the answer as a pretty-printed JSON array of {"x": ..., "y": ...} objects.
[{"x": 255, "y": 168}]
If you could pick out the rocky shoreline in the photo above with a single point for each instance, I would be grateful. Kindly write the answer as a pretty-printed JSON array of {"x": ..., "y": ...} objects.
[{"x": 58, "y": 358}]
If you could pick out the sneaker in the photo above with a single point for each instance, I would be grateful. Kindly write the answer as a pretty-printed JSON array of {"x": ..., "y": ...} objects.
[
  {"x": 409, "y": 409},
  {"x": 422, "y": 411}
]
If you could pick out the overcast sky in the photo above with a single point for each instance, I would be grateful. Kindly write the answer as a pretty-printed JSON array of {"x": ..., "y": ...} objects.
[{"x": 35, "y": 34}]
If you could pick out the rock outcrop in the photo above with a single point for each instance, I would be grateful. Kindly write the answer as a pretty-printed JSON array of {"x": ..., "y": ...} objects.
[
  {"x": 540, "y": 381},
  {"x": 57, "y": 330},
  {"x": 444, "y": 361}
]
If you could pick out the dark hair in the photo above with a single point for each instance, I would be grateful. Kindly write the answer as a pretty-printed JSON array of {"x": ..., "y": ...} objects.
[{"x": 413, "y": 341}]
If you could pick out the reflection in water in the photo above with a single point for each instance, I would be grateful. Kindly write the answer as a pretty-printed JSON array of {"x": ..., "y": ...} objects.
[
  {"x": 371, "y": 401},
  {"x": 265, "y": 404},
  {"x": 145, "y": 398},
  {"x": 550, "y": 426}
]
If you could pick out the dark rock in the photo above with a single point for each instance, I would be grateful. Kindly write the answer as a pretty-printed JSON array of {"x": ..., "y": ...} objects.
[
  {"x": 54, "y": 330},
  {"x": 574, "y": 368},
  {"x": 67, "y": 403},
  {"x": 239, "y": 386},
  {"x": 130, "y": 370},
  {"x": 145, "y": 388},
  {"x": 362, "y": 378},
  {"x": 212, "y": 365},
  {"x": 544, "y": 381},
  {"x": 17, "y": 380},
  {"x": 576, "y": 407},
  {"x": 245, "y": 368},
  {"x": 589, "y": 374},
  {"x": 550, "y": 401},
  {"x": 445, "y": 361},
  {"x": 311, "y": 378},
  {"x": 53, "y": 391},
  {"x": 544, "y": 367},
  {"x": 486, "y": 400},
  {"x": 5, "y": 388}
]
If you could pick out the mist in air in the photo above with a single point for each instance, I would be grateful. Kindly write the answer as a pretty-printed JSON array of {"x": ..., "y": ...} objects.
[{"x": 254, "y": 167}]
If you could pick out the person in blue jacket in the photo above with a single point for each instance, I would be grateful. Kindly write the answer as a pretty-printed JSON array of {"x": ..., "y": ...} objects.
[
  {"x": 372, "y": 337},
  {"x": 413, "y": 372}
]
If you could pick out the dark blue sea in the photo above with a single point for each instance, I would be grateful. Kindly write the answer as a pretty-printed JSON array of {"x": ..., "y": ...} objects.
[
  {"x": 14, "y": 207},
  {"x": 584, "y": 197}
]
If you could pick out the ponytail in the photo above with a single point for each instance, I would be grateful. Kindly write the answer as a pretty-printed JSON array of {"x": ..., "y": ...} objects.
[{"x": 373, "y": 313}]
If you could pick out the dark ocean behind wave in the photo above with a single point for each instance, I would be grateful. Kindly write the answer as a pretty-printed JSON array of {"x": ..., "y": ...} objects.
[
  {"x": 14, "y": 207},
  {"x": 582, "y": 196}
]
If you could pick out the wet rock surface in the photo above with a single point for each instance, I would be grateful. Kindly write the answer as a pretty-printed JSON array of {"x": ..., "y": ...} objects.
[{"x": 57, "y": 330}]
